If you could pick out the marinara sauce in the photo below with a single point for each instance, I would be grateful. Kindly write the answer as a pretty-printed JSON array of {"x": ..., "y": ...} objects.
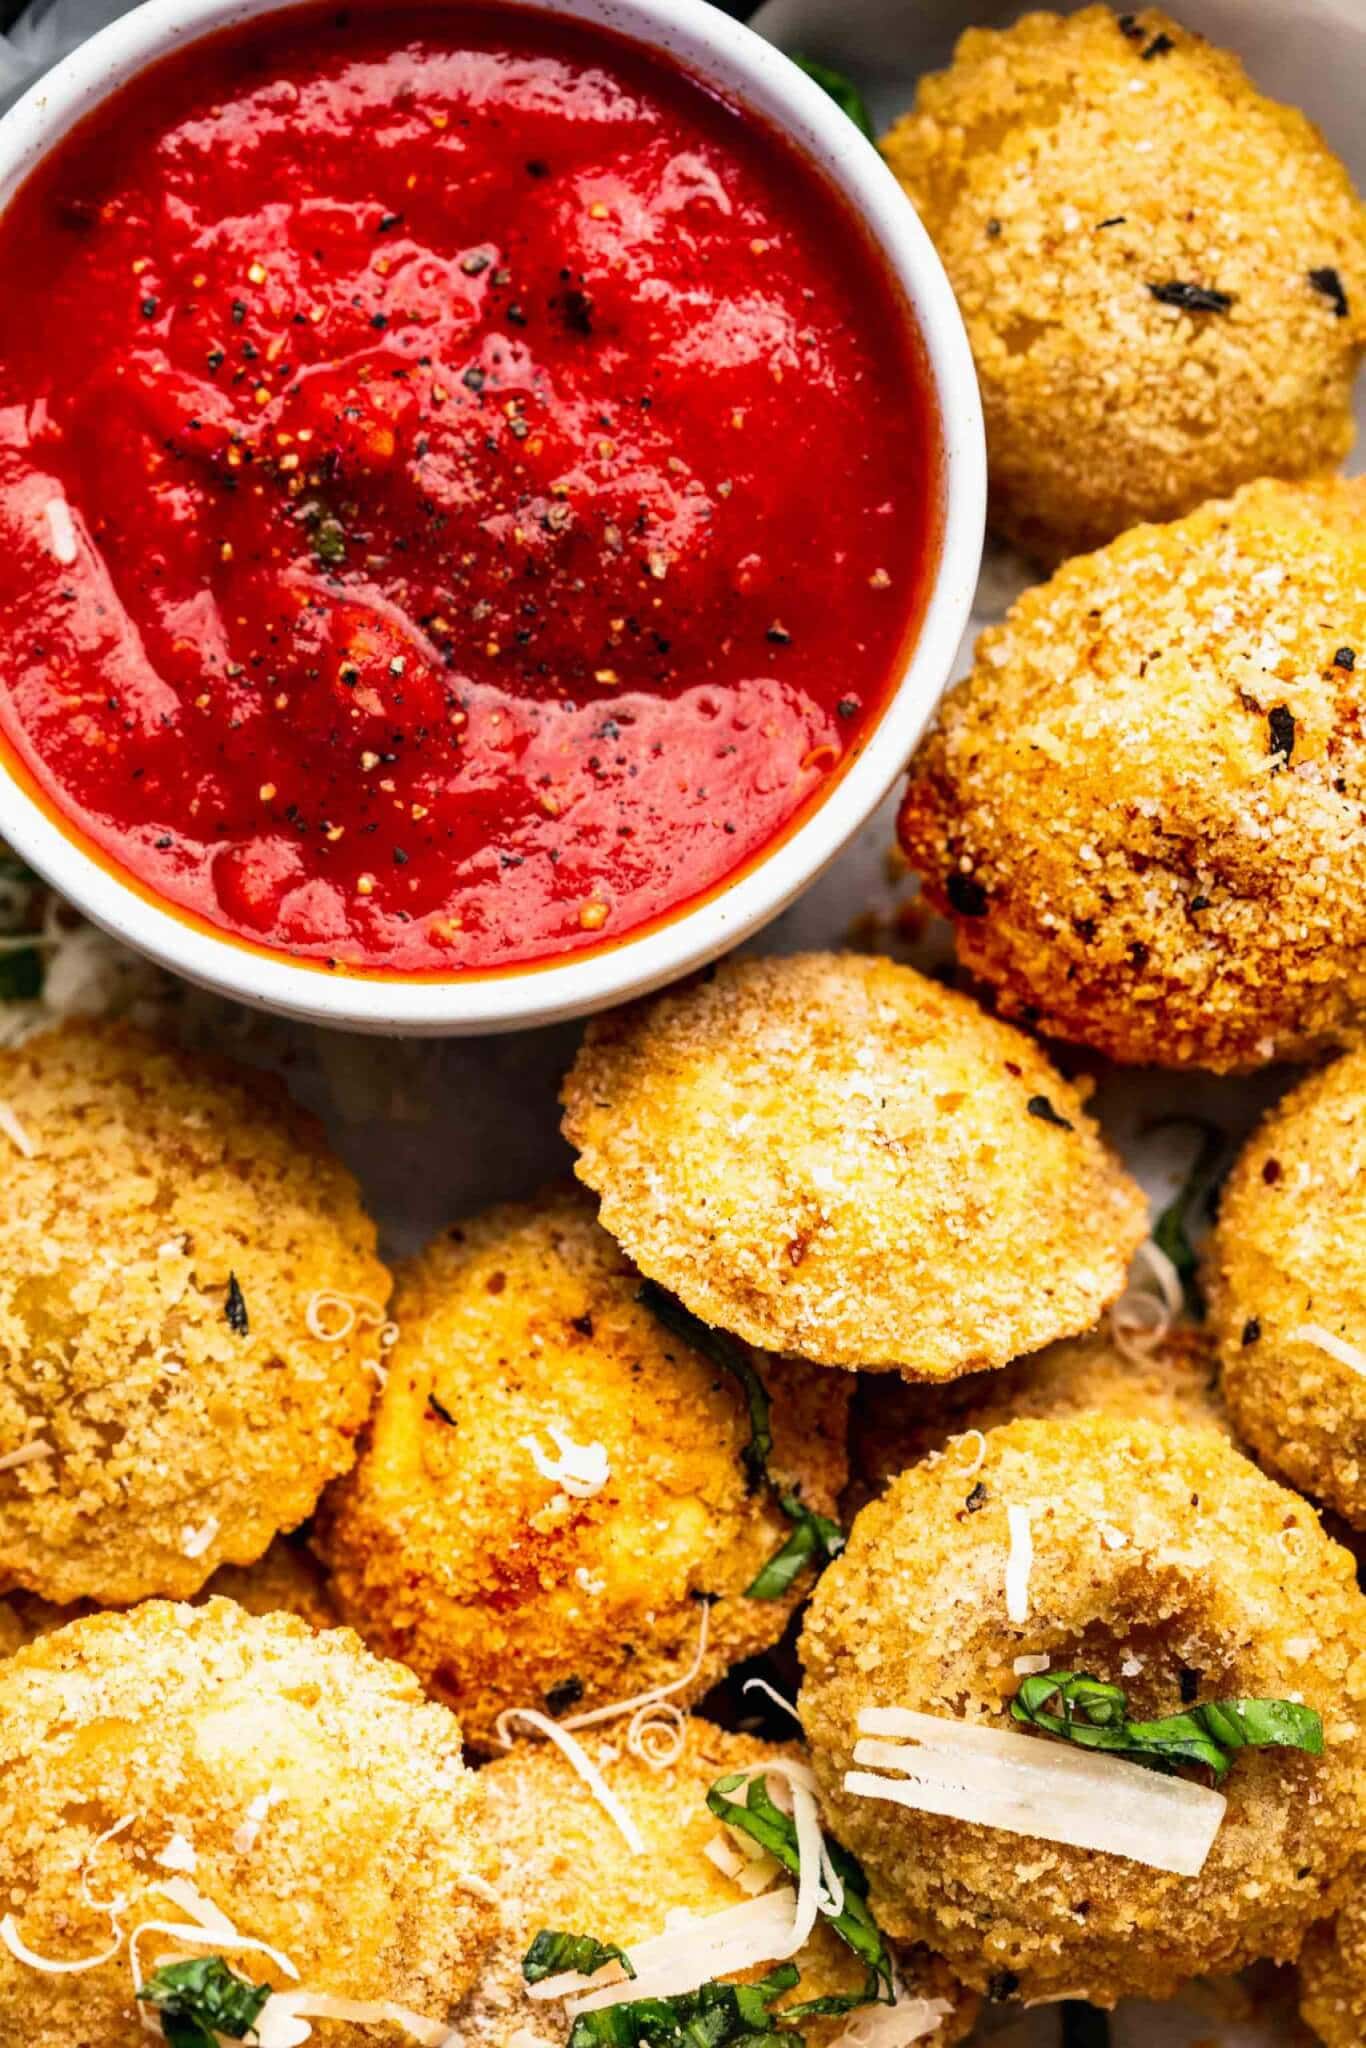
[{"x": 465, "y": 489}]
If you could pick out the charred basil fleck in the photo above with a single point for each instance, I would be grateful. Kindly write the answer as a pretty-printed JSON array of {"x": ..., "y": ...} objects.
[
  {"x": 1346, "y": 657},
  {"x": 1252, "y": 1330},
  {"x": 235, "y": 1309},
  {"x": 440, "y": 1411},
  {"x": 1281, "y": 725},
  {"x": 560, "y": 1698},
  {"x": 1042, "y": 1108},
  {"x": 1191, "y": 298},
  {"x": 976, "y": 1499},
  {"x": 1327, "y": 281}
]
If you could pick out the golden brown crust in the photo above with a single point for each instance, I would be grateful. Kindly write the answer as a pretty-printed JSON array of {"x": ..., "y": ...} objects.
[
  {"x": 451, "y": 1550},
  {"x": 1061, "y": 172},
  {"x": 181, "y": 1443},
  {"x": 1333, "y": 1977},
  {"x": 1103, "y": 806},
  {"x": 892, "y": 1425},
  {"x": 1289, "y": 1250},
  {"x": 1221, "y": 1575},
  {"x": 565, "y": 1866},
  {"x": 369, "y": 1869},
  {"x": 836, "y": 1157}
]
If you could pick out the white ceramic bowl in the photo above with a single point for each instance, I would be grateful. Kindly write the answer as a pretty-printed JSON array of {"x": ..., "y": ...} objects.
[{"x": 731, "y": 57}]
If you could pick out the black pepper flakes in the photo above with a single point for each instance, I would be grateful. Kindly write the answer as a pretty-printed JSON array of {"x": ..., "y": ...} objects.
[
  {"x": 976, "y": 1499},
  {"x": 442, "y": 1413},
  {"x": 1326, "y": 280},
  {"x": 966, "y": 894},
  {"x": 1191, "y": 298},
  {"x": 847, "y": 707},
  {"x": 1042, "y": 1108},
  {"x": 1271, "y": 1172},
  {"x": 235, "y": 1309},
  {"x": 149, "y": 309},
  {"x": 1346, "y": 657},
  {"x": 1158, "y": 47},
  {"x": 1252, "y": 1330},
  {"x": 778, "y": 634},
  {"x": 559, "y": 1698},
  {"x": 473, "y": 378},
  {"x": 1281, "y": 726}
]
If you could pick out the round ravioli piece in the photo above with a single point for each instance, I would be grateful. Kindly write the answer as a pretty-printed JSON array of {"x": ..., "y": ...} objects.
[
  {"x": 893, "y": 1425},
  {"x": 554, "y": 1509},
  {"x": 1333, "y": 1978},
  {"x": 1155, "y": 1559},
  {"x": 834, "y": 1156},
  {"x": 238, "y": 1788},
  {"x": 567, "y": 1868},
  {"x": 1142, "y": 808},
  {"x": 1286, "y": 1278},
  {"x": 1162, "y": 272},
  {"x": 178, "y": 1252}
]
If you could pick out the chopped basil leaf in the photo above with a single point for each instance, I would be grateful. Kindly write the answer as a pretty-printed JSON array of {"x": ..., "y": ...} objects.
[
  {"x": 235, "y": 1308},
  {"x": 551, "y": 1952},
  {"x": 1094, "y": 1715},
  {"x": 815, "y": 1539},
  {"x": 201, "y": 1998},
  {"x": 713, "y": 2016},
  {"x": 1171, "y": 1232},
  {"x": 842, "y": 91},
  {"x": 766, "y": 1823}
]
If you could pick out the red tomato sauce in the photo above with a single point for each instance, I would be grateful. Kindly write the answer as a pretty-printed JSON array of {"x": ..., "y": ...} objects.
[{"x": 465, "y": 490}]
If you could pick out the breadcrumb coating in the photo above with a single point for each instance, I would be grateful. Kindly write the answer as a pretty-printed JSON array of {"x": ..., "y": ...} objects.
[
  {"x": 1289, "y": 1251},
  {"x": 566, "y": 1867},
  {"x": 1333, "y": 1978},
  {"x": 158, "y": 1252},
  {"x": 363, "y": 1858},
  {"x": 892, "y": 1425},
  {"x": 836, "y": 1157},
  {"x": 1221, "y": 1584},
  {"x": 1065, "y": 168},
  {"x": 286, "y": 1580},
  {"x": 1145, "y": 809},
  {"x": 451, "y": 1548}
]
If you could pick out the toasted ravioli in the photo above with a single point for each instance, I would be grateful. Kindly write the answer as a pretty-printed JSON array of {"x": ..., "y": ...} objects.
[
  {"x": 833, "y": 1156},
  {"x": 304, "y": 1791},
  {"x": 554, "y": 1504},
  {"x": 168, "y": 1227},
  {"x": 1142, "y": 809},
  {"x": 1333, "y": 1978},
  {"x": 1149, "y": 1556},
  {"x": 566, "y": 1867},
  {"x": 1287, "y": 1287},
  {"x": 1162, "y": 272}
]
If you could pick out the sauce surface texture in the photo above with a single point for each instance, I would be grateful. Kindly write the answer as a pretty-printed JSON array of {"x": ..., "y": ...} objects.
[{"x": 464, "y": 490}]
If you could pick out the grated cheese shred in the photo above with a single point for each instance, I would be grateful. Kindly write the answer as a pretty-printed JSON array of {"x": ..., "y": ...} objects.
[
  {"x": 27, "y": 1454},
  {"x": 1324, "y": 1340},
  {"x": 15, "y": 1132},
  {"x": 581, "y": 1470}
]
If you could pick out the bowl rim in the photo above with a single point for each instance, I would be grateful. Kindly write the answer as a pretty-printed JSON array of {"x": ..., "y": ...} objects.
[{"x": 728, "y": 55}]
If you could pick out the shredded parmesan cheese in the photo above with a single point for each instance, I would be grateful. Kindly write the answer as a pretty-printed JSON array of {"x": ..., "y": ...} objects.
[
  {"x": 194, "y": 1542},
  {"x": 244, "y": 1835},
  {"x": 283, "y": 2020},
  {"x": 581, "y": 1762},
  {"x": 26, "y": 1454},
  {"x": 1324, "y": 1340},
  {"x": 580, "y": 1469},
  {"x": 762, "y": 1685},
  {"x": 1025, "y": 1785},
  {"x": 331, "y": 1316},
  {"x": 691, "y": 1951},
  {"x": 1028, "y": 1667},
  {"x": 893, "y": 2026},
  {"x": 179, "y": 1854},
  {"x": 1019, "y": 1563},
  {"x": 61, "y": 531},
  {"x": 1143, "y": 1316},
  {"x": 9, "y": 1934},
  {"x": 15, "y": 1132}
]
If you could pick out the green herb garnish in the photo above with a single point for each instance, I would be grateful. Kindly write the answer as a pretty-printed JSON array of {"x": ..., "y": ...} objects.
[
  {"x": 814, "y": 1539},
  {"x": 1094, "y": 1715},
  {"x": 713, "y": 2016},
  {"x": 21, "y": 974},
  {"x": 551, "y": 1952},
  {"x": 775, "y": 1831},
  {"x": 202, "y": 1998},
  {"x": 1171, "y": 1232},
  {"x": 326, "y": 534},
  {"x": 842, "y": 91}
]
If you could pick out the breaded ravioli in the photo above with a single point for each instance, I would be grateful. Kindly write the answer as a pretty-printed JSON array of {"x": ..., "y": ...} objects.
[
  {"x": 566, "y": 1867},
  {"x": 893, "y": 1425},
  {"x": 832, "y": 1155},
  {"x": 554, "y": 1500},
  {"x": 1286, "y": 1276},
  {"x": 168, "y": 1228},
  {"x": 1143, "y": 808},
  {"x": 1154, "y": 1558},
  {"x": 1333, "y": 1977},
  {"x": 1162, "y": 272},
  {"x": 183, "y": 1762}
]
